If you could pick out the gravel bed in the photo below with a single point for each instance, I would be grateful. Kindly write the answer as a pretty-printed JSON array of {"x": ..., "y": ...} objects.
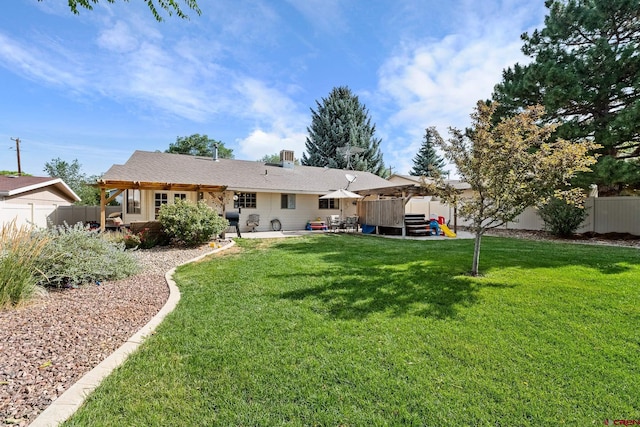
[
  {"x": 48, "y": 345},
  {"x": 609, "y": 239}
]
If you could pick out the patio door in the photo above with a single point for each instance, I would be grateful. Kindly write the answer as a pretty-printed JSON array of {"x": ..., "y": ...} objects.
[{"x": 163, "y": 198}]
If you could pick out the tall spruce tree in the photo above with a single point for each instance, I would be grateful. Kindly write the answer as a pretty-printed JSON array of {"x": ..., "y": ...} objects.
[
  {"x": 586, "y": 73},
  {"x": 341, "y": 135},
  {"x": 427, "y": 162}
]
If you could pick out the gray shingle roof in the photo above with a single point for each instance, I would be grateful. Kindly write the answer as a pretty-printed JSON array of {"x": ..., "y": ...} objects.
[{"x": 239, "y": 175}]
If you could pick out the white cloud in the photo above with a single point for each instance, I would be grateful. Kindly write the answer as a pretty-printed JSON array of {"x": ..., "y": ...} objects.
[
  {"x": 278, "y": 121},
  {"x": 438, "y": 82},
  {"x": 37, "y": 64},
  {"x": 118, "y": 38},
  {"x": 260, "y": 142}
]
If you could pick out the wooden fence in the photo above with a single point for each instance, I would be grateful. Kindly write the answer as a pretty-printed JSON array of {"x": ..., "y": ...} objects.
[
  {"x": 74, "y": 214},
  {"x": 383, "y": 213}
]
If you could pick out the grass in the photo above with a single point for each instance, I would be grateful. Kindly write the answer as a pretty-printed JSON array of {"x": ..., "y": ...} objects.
[{"x": 357, "y": 330}]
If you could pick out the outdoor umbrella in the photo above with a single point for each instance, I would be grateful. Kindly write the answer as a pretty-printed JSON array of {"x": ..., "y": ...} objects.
[{"x": 341, "y": 194}]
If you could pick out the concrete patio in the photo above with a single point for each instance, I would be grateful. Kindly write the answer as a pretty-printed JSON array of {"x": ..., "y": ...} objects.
[{"x": 294, "y": 233}]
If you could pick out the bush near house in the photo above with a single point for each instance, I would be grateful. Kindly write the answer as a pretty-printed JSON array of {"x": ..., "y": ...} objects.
[
  {"x": 75, "y": 255},
  {"x": 61, "y": 256},
  {"x": 191, "y": 223}
]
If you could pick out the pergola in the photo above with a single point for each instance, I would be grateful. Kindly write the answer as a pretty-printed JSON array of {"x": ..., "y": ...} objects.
[
  {"x": 404, "y": 191},
  {"x": 120, "y": 186},
  {"x": 389, "y": 209}
]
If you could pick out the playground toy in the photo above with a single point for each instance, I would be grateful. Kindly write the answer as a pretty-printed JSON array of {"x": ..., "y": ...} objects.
[{"x": 438, "y": 225}]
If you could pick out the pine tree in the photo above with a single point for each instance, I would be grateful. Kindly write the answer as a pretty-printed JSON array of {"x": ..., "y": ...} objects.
[
  {"x": 427, "y": 162},
  {"x": 341, "y": 135},
  {"x": 586, "y": 72}
]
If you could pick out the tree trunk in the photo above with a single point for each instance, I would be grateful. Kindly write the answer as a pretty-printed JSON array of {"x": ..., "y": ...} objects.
[{"x": 476, "y": 253}]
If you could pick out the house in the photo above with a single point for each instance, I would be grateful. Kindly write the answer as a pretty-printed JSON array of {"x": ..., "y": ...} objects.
[
  {"x": 33, "y": 200},
  {"x": 284, "y": 191}
]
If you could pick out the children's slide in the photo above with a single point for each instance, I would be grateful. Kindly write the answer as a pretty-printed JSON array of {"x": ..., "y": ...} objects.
[{"x": 447, "y": 232}]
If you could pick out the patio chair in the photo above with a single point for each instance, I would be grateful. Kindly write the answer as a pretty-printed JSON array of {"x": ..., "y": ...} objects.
[
  {"x": 333, "y": 222},
  {"x": 351, "y": 223},
  {"x": 253, "y": 221}
]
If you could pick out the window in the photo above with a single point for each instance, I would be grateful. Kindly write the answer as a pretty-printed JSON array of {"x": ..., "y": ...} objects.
[
  {"x": 287, "y": 201},
  {"x": 245, "y": 200},
  {"x": 133, "y": 202},
  {"x": 160, "y": 199},
  {"x": 329, "y": 204},
  {"x": 163, "y": 198}
]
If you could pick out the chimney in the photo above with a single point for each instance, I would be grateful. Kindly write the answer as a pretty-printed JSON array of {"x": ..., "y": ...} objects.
[
  {"x": 286, "y": 159},
  {"x": 215, "y": 152}
]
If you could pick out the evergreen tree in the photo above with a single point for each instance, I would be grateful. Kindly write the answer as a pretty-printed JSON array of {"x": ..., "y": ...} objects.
[
  {"x": 427, "y": 162},
  {"x": 586, "y": 73},
  {"x": 341, "y": 135}
]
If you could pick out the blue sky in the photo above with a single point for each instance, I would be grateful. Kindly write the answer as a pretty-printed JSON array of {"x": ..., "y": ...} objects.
[{"x": 99, "y": 85}]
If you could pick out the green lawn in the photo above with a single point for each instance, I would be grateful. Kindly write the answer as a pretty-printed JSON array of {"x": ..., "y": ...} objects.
[{"x": 347, "y": 330}]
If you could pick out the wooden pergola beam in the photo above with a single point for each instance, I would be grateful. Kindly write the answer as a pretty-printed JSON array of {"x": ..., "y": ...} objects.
[
  {"x": 155, "y": 185},
  {"x": 121, "y": 186}
]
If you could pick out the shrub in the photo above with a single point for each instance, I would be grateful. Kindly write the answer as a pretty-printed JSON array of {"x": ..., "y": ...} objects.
[
  {"x": 150, "y": 237},
  {"x": 126, "y": 237},
  {"x": 76, "y": 255},
  {"x": 190, "y": 223},
  {"x": 19, "y": 248},
  {"x": 561, "y": 218},
  {"x": 131, "y": 241}
]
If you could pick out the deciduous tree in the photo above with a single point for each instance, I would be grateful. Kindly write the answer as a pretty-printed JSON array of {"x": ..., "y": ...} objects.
[
  {"x": 72, "y": 175},
  {"x": 585, "y": 70},
  {"x": 341, "y": 135},
  {"x": 274, "y": 158},
  {"x": 199, "y": 145},
  {"x": 510, "y": 166},
  {"x": 169, "y": 6}
]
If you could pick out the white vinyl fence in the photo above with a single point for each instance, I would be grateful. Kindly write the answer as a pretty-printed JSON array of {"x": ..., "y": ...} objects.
[
  {"x": 604, "y": 215},
  {"x": 43, "y": 215},
  {"x": 25, "y": 214}
]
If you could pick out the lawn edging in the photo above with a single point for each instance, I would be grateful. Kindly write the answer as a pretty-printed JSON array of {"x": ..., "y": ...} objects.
[{"x": 70, "y": 401}]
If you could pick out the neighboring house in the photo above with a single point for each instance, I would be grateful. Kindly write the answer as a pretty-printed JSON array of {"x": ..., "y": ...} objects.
[
  {"x": 284, "y": 191},
  {"x": 33, "y": 200}
]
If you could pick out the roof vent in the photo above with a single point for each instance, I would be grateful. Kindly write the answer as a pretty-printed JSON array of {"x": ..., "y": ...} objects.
[{"x": 286, "y": 159}]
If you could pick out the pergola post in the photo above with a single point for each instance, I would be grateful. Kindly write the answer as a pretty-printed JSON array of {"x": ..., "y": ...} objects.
[
  {"x": 103, "y": 205},
  {"x": 103, "y": 209}
]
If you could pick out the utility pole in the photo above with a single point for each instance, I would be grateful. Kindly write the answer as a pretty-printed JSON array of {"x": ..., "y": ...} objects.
[{"x": 17, "y": 140}]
